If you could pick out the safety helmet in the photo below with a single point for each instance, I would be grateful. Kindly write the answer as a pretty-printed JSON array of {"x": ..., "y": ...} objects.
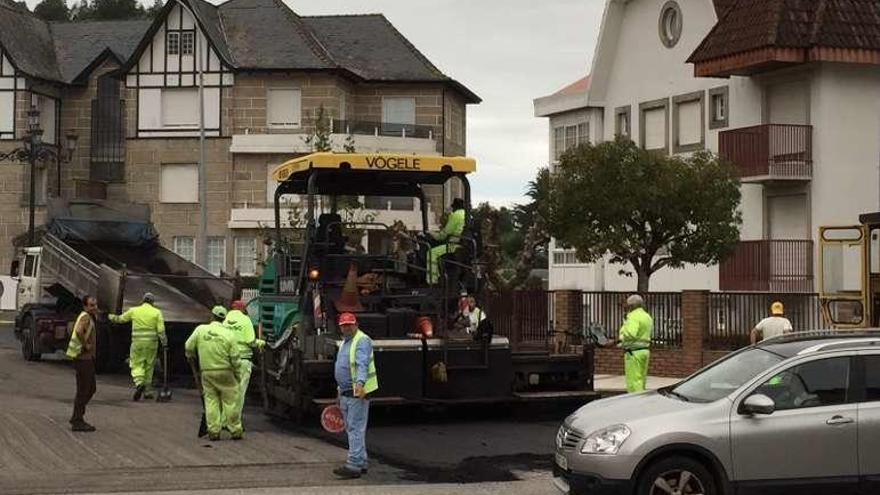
[
  {"x": 777, "y": 308},
  {"x": 218, "y": 311},
  {"x": 237, "y": 304},
  {"x": 347, "y": 319}
]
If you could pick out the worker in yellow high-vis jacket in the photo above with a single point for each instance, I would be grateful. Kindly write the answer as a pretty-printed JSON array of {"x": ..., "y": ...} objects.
[
  {"x": 246, "y": 341},
  {"x": 450, "y": 237},
  {"x": 635, "y": 340},
  {"x": 147, "y": 331}
]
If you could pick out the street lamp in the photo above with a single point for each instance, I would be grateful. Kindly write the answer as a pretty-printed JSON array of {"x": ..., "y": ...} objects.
[{"x": 35, "y": 150}]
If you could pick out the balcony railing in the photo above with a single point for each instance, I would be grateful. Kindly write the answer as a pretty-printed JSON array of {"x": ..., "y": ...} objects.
[
  {"x": 769, "y": 266},
  {"x": 366, "y": 128},
  {"x": 769, "y": 151}
]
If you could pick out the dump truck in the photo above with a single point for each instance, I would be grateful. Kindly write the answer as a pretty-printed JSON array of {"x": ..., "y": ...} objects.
[
  {"x": 109, "y": 250},
  {"x": 321, "y": 269}
]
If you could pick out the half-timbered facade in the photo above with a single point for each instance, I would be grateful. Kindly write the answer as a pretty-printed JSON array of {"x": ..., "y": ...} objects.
[{"x": 130, "y": 90}]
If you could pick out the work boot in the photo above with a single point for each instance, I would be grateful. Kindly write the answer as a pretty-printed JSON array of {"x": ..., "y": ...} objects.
[
  {"x": 138, "y": 392},
  {"x": 237, "y": 436},
  {"x": 213, "y": 437},
  {"x": 81, "y": 426},
  {"x": 346, "y": 473},
  {"x": 149, "y": 395}
]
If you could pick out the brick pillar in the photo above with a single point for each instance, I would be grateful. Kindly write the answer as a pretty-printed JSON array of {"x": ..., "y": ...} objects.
[
  {"x": 568, "y": 306},
  {"x": 695, "y": 321}
]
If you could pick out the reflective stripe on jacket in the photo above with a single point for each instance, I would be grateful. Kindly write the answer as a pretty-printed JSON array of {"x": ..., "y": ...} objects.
[
  {"x": 147, "y": 324},
  {"x": 372, "y": 382}
]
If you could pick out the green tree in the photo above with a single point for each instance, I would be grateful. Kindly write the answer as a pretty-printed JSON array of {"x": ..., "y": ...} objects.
[
  {"x": 153, "y": 11},
  {"x": 107, "y": 10},
  {"x": 645, "y": 209},
  {"x": 52, "y": 10}
]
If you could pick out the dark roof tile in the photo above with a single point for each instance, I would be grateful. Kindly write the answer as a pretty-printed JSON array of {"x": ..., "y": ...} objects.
[
  {"x": 79, "y": 44},
  {"x": 28, "y": 41}
]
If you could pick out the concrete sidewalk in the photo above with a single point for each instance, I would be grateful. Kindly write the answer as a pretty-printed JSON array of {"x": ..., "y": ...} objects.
[
  {"x": 611, "y": 384},
  {"x": 530, "y": 487}
]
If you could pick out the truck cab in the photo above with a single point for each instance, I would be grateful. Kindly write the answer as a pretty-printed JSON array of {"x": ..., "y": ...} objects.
[
  {"x": 26, "y": 271},
  {"x": 849, "y": 273},
  {"x": 38, "y": 326}
]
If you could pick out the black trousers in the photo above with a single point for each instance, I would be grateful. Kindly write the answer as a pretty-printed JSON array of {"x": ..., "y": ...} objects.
[{"x": 85, "y": 387}]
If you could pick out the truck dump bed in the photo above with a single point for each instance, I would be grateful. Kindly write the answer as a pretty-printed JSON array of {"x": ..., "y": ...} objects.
[{"x": 113, "y": 252}]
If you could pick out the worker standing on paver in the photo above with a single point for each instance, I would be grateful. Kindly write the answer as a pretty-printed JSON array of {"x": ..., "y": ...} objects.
[
  {"x": 450, "y": 237},
  {"x": 147, "y": 331},
  {"x": 246, "y": 340},
  {"x": 355, "y": 373},
  {"x": 215, "y": 347},
  {"x": 773, "y": 326},
  {"x": 635, "y": 340},
  {"x": 82, "y": 350}
]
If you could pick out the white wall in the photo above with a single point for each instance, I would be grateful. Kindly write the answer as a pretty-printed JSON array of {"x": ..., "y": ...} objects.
[{"x": 845, "y": 112}]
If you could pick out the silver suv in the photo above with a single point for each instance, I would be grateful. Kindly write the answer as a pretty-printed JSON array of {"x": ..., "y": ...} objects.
[{"x": 795, "y": 414}]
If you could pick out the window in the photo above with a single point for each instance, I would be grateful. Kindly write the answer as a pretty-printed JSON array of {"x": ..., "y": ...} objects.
[
  {"x": 817, "y": 383},
  {"x": 284, "y": 108},
  {"x": 179, "y": 183},
  {"x": 216, "y": 261},
  {"x": 173, "y": 43},
  {"x": 670, "y": 24},
  {"x": 872, "y": 378},
  {"x": 107, "y": 155},
  {"x": 185, "y": 247},
  {"x": 398, "y": 113},
  {"x": 30, "y": 265},
  {"x": 719, "y": 109},
  {"x": 654, "y": 134},
  {"x": 187, "y": 42},
  {"x": 566, "y": 137},
  {"x": 725, "y": 376},
  {"x": 688, "y": 122},
  {"x": 246, "y": 255},
  {"x": 180, "y": 107},
  {"x": 563, "y": 257},
  {"x": 47, "y": 107},
  {"x": 622, "y": 121}
]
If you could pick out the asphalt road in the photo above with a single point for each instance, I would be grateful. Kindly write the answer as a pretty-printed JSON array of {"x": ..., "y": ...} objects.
[{"x": 151, "y": 447}]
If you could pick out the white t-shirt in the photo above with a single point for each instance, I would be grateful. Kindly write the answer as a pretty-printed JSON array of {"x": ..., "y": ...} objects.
[{"x": 774, "y": 326}]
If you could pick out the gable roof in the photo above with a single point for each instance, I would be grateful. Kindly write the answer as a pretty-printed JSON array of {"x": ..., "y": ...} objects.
[
  {"x": 753, "y": 34},
  {"x": 63, "y": 51},
  {"x": 579, "y": 86},
  {"x": 79, "y": 45},
  {"x": 27, "y": 41}
]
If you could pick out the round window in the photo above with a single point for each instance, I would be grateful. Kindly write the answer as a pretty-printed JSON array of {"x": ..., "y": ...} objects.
[{"x": 670, "y": 23}]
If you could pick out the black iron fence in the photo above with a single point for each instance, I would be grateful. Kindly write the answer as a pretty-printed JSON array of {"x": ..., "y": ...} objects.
[
  {"x": 608, "y": 310},
  {"x": 732, "y": 315},
  {"x": 522, "y": 316}
]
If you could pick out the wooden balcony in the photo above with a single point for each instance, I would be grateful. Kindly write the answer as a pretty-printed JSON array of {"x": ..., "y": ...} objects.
[
  {"x": 769, "y": 152},
  {"x": 769, "y": 266}
]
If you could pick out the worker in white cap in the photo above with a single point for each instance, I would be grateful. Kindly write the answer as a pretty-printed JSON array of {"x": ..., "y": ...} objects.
[
  {"x": 774, "y": 325},
  {"x": 635, "y": 340}
]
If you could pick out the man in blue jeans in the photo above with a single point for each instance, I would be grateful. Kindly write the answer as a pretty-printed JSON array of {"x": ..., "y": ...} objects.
[{"x": 355, "y": 373}]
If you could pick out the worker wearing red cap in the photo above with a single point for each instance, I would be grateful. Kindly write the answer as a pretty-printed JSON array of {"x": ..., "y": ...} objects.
[
  {"x": 243, "y": 329},
  {"x": 355, "y": 373}
]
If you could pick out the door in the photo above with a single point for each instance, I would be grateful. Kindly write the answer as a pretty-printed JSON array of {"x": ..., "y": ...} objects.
[
  {"x": 869, "y": 426},
  {"x": 809, "y": 445},
  {"x": 28, "y": 282}
]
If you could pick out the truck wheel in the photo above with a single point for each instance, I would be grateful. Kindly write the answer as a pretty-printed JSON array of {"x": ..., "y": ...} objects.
[
  {"x": 678, "y": 475},
  {"x": 29, "y": 341}
]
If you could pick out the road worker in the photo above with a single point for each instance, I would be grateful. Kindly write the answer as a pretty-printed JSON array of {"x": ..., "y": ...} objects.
[
  {"x": 355, "y": 373},
  {"x": 449, "y": 238},
  {"x": 243, "y": 329},
  {"x": 82, "y": 350},
  {"x": 147, "y": 331},
  {"x": 773, "y": 326},
  {"x": 214, "y": 345},
  {"x": 635, "y": 340}
]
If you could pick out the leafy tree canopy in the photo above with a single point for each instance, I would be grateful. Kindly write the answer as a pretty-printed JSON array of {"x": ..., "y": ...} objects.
[
  {"x": 52, "y": 10},
  {"x": 646, "y": 209}
]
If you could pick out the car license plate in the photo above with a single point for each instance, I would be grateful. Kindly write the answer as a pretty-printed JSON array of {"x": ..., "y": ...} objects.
[{"x": 562, "y": 462}]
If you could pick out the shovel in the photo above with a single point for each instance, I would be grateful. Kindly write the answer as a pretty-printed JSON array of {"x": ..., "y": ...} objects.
[
  {"x": 203, "y": 424},
  {"x": 165, "y": 393}
]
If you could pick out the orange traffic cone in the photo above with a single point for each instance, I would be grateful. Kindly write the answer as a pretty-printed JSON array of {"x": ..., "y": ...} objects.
[{"x": 349, "y": 300}]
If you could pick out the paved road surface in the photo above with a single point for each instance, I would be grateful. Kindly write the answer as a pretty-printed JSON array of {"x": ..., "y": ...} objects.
[{"x": 151, "y": 447}]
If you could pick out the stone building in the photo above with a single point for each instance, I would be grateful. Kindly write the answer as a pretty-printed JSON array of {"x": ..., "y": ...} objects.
[{"x": 130, "y": 92}]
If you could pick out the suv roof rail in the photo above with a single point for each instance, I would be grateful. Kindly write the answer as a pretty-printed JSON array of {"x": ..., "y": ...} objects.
[
  {"x": 841, "y": 344},
  {"x": 823, "y": 334}
]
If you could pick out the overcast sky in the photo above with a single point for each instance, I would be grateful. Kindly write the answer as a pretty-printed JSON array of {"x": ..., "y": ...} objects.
[{"x": 508, "y": 52}]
